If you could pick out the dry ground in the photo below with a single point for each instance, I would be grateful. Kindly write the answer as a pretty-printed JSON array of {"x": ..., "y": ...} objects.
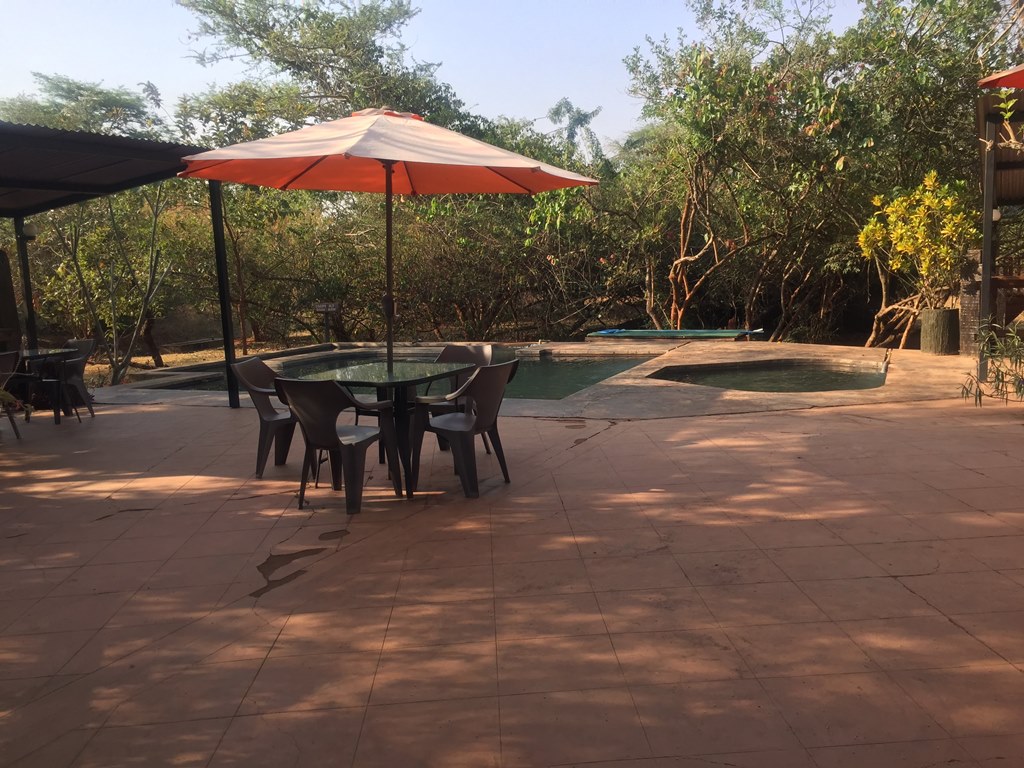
[{"x": 97, "y": 373}]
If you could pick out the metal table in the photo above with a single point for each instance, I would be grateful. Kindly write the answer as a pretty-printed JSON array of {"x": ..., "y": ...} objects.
[{"x": 395, "y": 385}]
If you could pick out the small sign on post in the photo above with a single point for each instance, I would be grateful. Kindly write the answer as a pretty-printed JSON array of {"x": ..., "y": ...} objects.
[{"x": 326, "y": 308}]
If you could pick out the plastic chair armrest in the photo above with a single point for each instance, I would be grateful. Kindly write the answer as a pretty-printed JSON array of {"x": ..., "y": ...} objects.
[
  {"x": 377, "y": 405},
  {"x": 432, "y": 399}
]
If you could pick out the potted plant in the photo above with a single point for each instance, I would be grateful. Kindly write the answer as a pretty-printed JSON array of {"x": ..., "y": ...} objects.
[{"x": 920, "y": 238}]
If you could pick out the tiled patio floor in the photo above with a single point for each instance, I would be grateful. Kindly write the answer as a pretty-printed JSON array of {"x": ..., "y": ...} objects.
[{"x": 831, "y": 587}]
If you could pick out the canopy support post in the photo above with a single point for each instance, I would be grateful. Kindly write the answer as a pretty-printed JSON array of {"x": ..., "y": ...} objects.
[
  {"x": 26, "y": 283},
  {"x": 389, "y": 294},
  {"x": 988, "y": 257},
  {"x": 223, "y": 289}
]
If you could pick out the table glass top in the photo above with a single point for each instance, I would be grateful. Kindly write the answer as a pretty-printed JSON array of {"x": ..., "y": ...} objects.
[
  {"x": 29, "y": 354},
  {"x": 403, "y": 373}
]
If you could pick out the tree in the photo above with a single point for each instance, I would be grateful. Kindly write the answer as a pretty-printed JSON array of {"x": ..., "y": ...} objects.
[
  {"x": 62, "y": 102},
  {"x": 319, "y": 60},
  {"x": 341, "y": 56},
  {"x": 919, "y": 237},
  {"x": 912, "y": 69},
  {"x": 110, "y": 251},
  {"x": 240, "y": 112},
  {"x": 99, "y": 264},
  {"x": 773, "y": 136},
  {"x": 750, "y": 153}
]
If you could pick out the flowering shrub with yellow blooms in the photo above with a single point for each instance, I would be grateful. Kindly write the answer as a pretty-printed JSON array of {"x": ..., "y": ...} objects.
[{"x": 923, "y": 236}]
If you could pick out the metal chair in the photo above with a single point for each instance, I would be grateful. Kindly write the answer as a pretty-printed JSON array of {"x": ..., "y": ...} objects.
[
  {"x": 276, "y": 427},
  {"x": 483, "y": 393},
  {"x": 317, "y": 405}
]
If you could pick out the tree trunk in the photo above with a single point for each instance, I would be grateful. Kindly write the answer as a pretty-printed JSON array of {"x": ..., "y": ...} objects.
[
  {"x": 150, "y": 342},
  {"x": 940, "y": 331}
]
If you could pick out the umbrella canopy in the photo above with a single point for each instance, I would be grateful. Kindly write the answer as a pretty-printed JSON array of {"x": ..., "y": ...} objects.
[
  {"x": 378, "y": 150},
  {"x": 1008, "y": 78}
]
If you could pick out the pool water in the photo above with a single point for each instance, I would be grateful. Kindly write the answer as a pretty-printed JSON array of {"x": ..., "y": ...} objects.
[
  {"x": 552, "y": 378},
  {"x": 545, "y": 378},
  {"x": 777, "y": 376}
]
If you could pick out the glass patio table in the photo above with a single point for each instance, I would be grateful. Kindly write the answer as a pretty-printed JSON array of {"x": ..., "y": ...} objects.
[{"x": 395, "y": 385}]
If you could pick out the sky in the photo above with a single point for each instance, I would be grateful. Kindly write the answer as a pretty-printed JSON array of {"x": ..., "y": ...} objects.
[{"x": 513, "y": 58}]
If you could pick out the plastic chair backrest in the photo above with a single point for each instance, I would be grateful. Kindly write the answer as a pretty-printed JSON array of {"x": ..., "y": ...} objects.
[
  {"x": 480, "y": 354},
  {"x": 254, "y": 374},
  {"x": 75, "y": 368},
  {"x": 486, "y": 388},
  {"x": 316, "y": 405},
  {"x": 477, "y": 354},
  {"x": 84, "y": 347}
]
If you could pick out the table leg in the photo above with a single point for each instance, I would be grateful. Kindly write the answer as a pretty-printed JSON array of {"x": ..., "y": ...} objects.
[
  {"x": 403, "y": 425},
  {"x": 61, "y": 398},
  {"x": 53, "y": 387}
]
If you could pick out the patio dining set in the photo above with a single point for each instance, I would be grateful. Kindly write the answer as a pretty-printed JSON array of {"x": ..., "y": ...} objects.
[
  {"x": 54, "y": 376},
  {"x": 476, "y": 388}
]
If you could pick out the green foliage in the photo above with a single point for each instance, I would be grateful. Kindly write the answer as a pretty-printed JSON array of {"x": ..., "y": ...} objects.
[
  {"x": 1002, "y": 350},
  {"x": 240, "y": 112},
  {"x": 742, "y": 198},
  {"x": 923, "y": 234},
  {"x": 754, "y": 158},
  {"x": 341, "y": 56},
  {"x": 103, "y": 268},
  {"x": 74, "y": 105},
  {"x": 775, "y": 134}
]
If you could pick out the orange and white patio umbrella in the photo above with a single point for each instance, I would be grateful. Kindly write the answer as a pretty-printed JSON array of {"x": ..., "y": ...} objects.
[
  {"x": 1008, "y": 78},
  {"x": 378, "y": 150}
]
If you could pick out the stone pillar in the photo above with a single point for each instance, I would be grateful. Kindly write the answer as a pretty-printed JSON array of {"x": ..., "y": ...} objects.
[{"x": 970, "y": 307}]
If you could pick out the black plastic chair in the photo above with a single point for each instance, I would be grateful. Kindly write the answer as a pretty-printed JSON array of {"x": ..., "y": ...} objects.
[
  {"x": 478, "y": 355},
  {"x": 276, "y": 427},
  {"x": 483, "y": 394},
  {"x": 317, "y": 405},
  {"x": 74, "y": 372},
  {"x": 85, "y": 347},
  {"x": 74, "y": 384}
]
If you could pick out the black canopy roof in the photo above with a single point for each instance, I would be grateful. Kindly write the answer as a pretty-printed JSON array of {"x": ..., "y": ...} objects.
[{"x": 44, "y": 168}]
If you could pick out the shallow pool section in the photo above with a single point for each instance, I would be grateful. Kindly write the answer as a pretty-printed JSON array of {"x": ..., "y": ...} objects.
[
  {"x": 544, "y": 378},
  {"x": 778, "y": 375}
]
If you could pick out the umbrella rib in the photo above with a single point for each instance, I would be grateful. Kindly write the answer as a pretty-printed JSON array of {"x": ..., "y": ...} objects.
[
  {"x": 496, "y": 172},
  {"x": 212, "y": 164},
  {"x": 303, "y": 172}
]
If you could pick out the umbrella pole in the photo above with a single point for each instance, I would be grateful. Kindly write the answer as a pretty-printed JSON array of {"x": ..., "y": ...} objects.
[{"x": 389, "y": 298}]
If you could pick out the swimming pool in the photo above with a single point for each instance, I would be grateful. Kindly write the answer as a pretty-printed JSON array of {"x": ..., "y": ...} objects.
[
  {"x": 543, "y": 378},
  {"x": 778, "y": 375}
]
